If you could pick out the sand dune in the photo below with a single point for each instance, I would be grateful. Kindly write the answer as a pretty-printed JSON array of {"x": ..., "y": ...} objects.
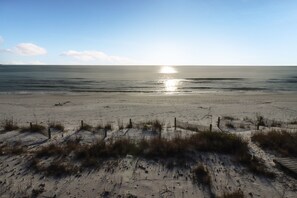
[{"x": 131, "y": 175}]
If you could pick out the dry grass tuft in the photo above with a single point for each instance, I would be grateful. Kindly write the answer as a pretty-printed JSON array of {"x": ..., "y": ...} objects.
[
  {"x": 230, "y": 125},
  {"x": 282, "y": 142},
  {"x": 34, "y": 128},
  {"x": 56, "y": 126},
  {"x": 200, "y": 175},
  {"x": 228, "y": 118},
  {"x": 13, "y": 149},
  {"x": 154, "y": 125},
  {"x": 181, "y": 149},
  {"x": 108, "y": 127},
  {"x": 9, "y": 125},
  {"x": 236, "y": 194},
  {"x": 85, "y": 127}
]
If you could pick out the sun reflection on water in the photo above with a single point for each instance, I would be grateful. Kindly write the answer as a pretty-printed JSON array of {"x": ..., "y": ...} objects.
[
  {"x": 167, "y": 70},
  {"x": 168, "y": 79},
  {"x": 171, "y": 85}
]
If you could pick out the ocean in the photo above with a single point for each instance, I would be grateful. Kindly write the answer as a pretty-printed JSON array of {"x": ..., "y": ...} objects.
[{"x": 146, "y": 79}]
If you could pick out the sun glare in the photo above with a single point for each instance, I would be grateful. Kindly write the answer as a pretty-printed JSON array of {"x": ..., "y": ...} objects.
[
  {"x": 167, "y": 70},
  {"x": 171, "y": 85}
]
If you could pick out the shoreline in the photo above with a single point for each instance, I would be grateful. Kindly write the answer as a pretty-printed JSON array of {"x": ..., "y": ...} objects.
[{"x": 25, "y": 108}]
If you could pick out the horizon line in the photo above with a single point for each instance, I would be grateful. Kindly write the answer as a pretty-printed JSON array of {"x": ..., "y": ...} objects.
[{"x": 155, "y": 65}]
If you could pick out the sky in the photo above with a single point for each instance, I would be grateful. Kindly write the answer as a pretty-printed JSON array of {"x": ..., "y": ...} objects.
[{"x": 149, "y": 32}]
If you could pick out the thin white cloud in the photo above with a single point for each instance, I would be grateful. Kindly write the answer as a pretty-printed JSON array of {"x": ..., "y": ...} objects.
[
  {"x": 36, "y": 62},
  {"x": 25, "y": 49},
  {"x": 97, "y": 56},
  {"x": 28, "y": 49}
]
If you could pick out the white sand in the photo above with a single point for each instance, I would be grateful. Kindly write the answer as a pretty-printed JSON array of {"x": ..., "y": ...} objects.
[{"x": 135, "y": 176}]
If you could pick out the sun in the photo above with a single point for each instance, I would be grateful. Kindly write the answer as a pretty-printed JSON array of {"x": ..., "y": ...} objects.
[{"x": 167, "y": 70}]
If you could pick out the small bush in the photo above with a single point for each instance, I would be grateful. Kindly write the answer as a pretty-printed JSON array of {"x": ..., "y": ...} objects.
[
  {"x": 293, "y": 121},
  {"x": 200, "y": 175},
  {"x": 85, "y": 127},
  {"x": 56, "y": 126},
  {"x": 255, "y": 165},
  {"x": 154, "y": 125},
  {"x": 50, "y": 150},
  {"x": 129, "y": 125},
  {"x": 275, "y": 123},
  {"x": 260, "y": 120},
  {"x": 242, "y": 126},
  {"x": 9, "y": 125},
  {"x": 58, "y": 169},
  {"x": 108, "y": 127},
  {"x": 99, "y": 127},
  {"x": 35, "y": 128},
  {"x": 281, "y": 142},
  {"x": 236, "y": 194},
  {"x": 14, "y": 149},
  {"x": 230, "y": 125},
  {"x": 228, "y": 118},
  {"x": 157, "y": 126}
]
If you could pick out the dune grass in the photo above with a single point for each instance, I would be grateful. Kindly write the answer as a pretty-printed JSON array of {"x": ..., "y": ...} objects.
[
  {"x": 85, "y": 127},
  {"x": 230, "y": 125},
  {"x": 153, "y": 125},
  {"x": 57, "y": 126},
  {"x": 236, "y": 194},
  {"x": 282, "y": 142},
  {"x": 157, "y": 149},
  {"x": 15, "y": 148},
  {"x": 228, "y": 118},
  {"x": 34, "y": 128},
  {"x": 9, "y": 125},
  {"x": 200, "y": 175}
]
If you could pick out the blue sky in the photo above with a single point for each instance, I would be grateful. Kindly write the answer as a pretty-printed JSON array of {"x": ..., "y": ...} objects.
[{"x": 166, "y": 32}]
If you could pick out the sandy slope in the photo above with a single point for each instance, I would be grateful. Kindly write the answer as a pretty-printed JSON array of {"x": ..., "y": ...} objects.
[{"x": 134, "y": 176}]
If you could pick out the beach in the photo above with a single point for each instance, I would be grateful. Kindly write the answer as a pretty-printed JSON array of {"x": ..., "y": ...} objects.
[
  {"x": 93, "y": 107},
  {"x": 134, "y": 176}
]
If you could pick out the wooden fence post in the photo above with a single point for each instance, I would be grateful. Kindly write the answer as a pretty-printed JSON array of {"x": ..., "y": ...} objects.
[
  {"x": 49, "y": 133},
  {"x": 258, "y": 126},
  {"x": 219, "y": 120},
  {"x": 210, "y": 127},
  {"x": 105, "y": 133},
  {"x": 81, "y": 124},
  {"x": 175, "y": 123},
  {"x": 31, "y": 126},
  {"x": 130, "y": 123}
]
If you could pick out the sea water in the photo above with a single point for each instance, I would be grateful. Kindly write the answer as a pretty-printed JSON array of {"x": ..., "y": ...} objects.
[{"x": 146, "y": 79}]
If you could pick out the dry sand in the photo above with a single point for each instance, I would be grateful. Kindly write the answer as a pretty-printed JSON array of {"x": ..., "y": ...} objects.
[{"x": 133, "y": 176}]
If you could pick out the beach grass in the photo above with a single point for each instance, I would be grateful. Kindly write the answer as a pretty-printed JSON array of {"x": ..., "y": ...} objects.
[
  {"x": 200, "y": 175},
  {"x": 15, "y": 148},
  {"x": 85, "y": 127},
  {"x": 235, "y": 194},
  {"x": 280, "y": 141},
  {"x": 9, "y": 125},
  {"x": 156, "y": 148},
  {"x": 34, "y": 128},
  {"x": 57, "y": 126}
]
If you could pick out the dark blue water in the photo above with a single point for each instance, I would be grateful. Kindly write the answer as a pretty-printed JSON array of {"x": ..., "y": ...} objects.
[{"x": 146, "y": 79}]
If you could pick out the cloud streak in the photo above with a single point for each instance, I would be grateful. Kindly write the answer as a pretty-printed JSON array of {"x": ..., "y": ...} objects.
[
  {"x": 28, "y": 49},
  {"x": 97, "y": 56}
]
